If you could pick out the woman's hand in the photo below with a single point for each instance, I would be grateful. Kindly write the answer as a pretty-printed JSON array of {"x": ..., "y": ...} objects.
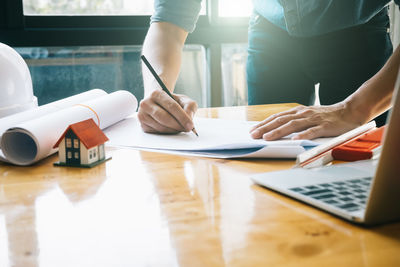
[
  {"x": 307, "y": 122},
  {"x": 159, "y": 113}
]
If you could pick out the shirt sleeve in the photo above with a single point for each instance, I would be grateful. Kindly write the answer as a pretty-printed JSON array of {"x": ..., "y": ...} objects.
[{"x": 183, "y": 13}]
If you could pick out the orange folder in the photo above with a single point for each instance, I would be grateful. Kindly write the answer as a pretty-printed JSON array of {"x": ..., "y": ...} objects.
[{"x": 359, "y": 148}]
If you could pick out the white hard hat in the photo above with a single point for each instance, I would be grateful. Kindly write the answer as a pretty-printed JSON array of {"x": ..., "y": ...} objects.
[{"x": 16, "y": 93}]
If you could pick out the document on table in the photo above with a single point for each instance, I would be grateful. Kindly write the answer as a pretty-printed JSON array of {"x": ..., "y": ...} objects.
[{"x": 218, "y": 138}]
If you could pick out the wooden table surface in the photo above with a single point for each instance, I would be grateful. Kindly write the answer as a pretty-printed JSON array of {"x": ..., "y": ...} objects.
[{"x": 150, "y": 209}]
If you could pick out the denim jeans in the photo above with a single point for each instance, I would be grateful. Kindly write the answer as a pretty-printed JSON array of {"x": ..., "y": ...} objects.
[{"x": 282, "y": 68}]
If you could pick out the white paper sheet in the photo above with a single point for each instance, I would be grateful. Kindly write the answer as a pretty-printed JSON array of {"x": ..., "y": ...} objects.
[{"x": 217, "y": 138}]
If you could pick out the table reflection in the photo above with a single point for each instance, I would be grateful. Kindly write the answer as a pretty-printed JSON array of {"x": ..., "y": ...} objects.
[{"x": 153, "y": 209}]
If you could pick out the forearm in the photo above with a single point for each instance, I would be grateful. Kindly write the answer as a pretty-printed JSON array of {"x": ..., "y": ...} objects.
[
  {"x": 370, "y": 100},
  {"x": 163, "y": 48},
  {"x": 374, "y": 96}
]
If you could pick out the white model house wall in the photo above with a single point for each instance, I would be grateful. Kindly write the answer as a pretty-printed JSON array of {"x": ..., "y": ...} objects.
[
  {"x": 61, "y": 151},
  {"x": 88, "y": 156}
]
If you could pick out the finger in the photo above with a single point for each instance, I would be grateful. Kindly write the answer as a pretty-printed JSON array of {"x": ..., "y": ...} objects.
[
  {"x": 190, "y": 108},
  {"x": 188, "y": 105},
  {"x": 150, "y": 125},
  {"x": 310, "y": 133},
  {"x": 292, "y": 126},
  {"x": 275, "y": 124},
  {"x": 276, "y": 115},
  {"x": 147, "y": 129},
  {"x": 148, "y": 108},
  {"x": 321, "y": 130},
  {"x": 176, "y": 111}
]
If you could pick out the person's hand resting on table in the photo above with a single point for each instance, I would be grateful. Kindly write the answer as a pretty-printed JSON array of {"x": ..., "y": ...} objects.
[
  {"x": 307, "y": 122},
  {"x": 370, "y": 100}
]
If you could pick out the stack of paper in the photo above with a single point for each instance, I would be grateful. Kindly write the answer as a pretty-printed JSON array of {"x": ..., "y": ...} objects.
[{"x": 217, "y": 138}]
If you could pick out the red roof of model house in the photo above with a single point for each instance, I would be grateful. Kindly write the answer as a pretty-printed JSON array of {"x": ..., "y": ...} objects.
[{"x": 88, "y": 133}]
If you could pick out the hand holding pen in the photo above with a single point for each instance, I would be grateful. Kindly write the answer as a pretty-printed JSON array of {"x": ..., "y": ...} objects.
[{"x": 162, "y": 112}]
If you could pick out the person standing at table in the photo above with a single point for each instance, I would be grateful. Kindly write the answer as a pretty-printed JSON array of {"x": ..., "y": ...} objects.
[
  {"x": 292, "y": 46},
  {"x": 308, "y": 122}
]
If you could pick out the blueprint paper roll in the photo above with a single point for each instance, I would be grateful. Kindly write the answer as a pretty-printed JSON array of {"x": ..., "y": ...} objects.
[
  {"x": 33, "y": 140},
  {"x": 12, "y": 120}
]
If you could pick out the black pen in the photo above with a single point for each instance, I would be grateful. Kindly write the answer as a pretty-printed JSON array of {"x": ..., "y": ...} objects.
[{"x": 164, "y": 88}]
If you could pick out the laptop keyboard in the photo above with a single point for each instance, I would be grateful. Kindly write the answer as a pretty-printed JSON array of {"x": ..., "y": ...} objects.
[{"x": 349, "y": 195}]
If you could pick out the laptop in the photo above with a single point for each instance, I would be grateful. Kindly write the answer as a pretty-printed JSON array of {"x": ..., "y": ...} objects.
[{"x": 364, "y": 192}]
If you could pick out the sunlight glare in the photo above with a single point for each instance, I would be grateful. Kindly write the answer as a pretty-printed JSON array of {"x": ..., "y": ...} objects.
[{"x": 235, "y": 8}]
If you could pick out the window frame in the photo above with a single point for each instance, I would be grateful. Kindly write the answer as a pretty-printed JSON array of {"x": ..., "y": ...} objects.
[
  {"x": 76, "y": 143},
  {"x": 19, "y": 30},
  {"x": 68, "y": 142}
]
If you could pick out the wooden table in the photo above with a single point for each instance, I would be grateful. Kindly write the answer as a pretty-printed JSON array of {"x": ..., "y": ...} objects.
[{"x": 150, "y": 209}]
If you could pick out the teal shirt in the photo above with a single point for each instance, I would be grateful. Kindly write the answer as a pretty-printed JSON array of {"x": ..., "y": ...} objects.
[
  {"x": 300, "y": 18},
  {"x": 271, "y": 10}
]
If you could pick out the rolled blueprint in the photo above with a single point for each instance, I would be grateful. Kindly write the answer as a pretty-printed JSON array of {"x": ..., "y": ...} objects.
[
  {"x": 12, "y": 120},
  {"x": 33, "y": 140}
]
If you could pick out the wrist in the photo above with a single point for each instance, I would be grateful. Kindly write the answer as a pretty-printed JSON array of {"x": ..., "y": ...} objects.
[
  {"x": 151, "y": 85},
  {"x": 357, "y": 110}
]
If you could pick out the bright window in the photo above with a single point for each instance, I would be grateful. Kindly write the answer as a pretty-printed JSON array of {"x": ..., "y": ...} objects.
[
  {"x": 235, "y": 8},
  {"x": 59, "y": 72},
  {"x": 91, "y": 7},
  {"x": 88, "y": 7},
  {"x": 84, "y": 44},
  {"x": 233, "y": 64}
]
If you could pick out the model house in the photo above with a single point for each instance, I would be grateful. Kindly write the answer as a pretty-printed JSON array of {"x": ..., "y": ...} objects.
[{"x": 81, "y": 145}]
